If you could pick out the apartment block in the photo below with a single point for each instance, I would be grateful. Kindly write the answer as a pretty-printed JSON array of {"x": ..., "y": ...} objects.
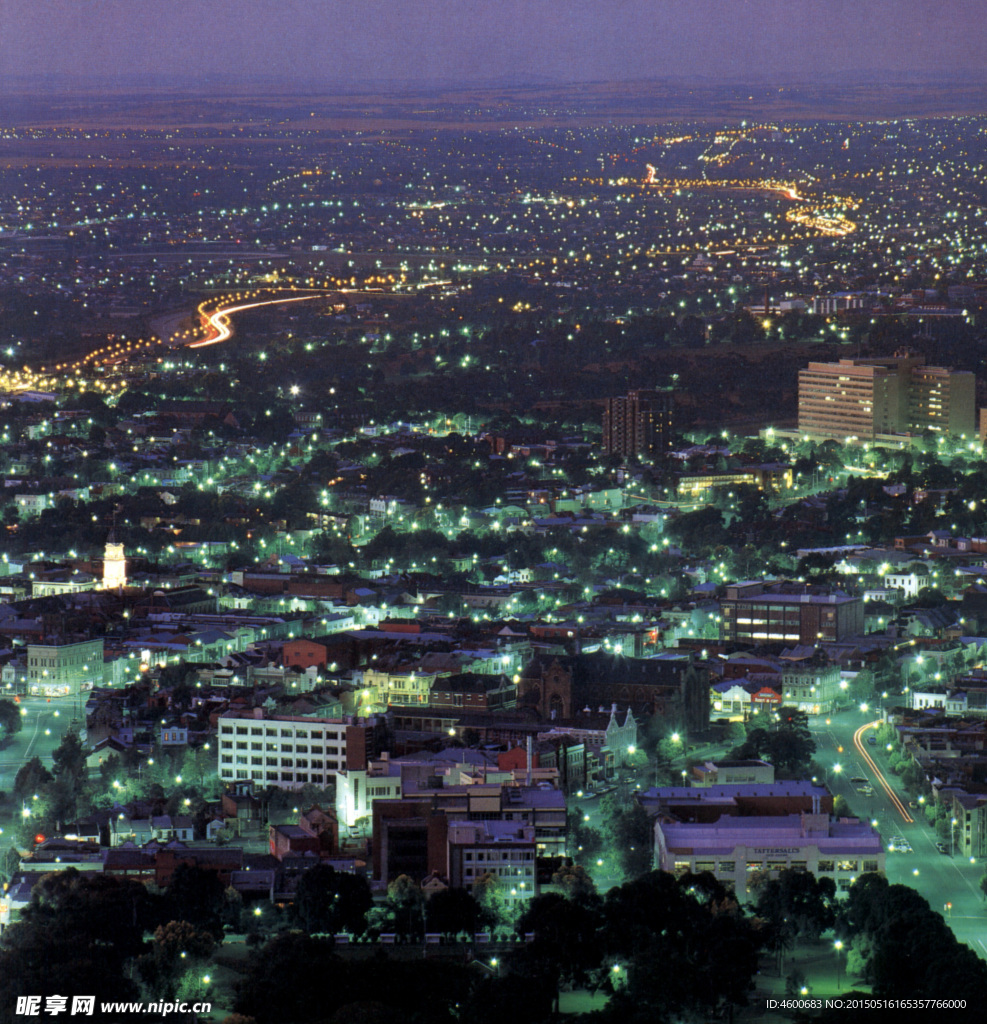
[
  {"x": 639, "y": 423},
  {"x": 289, "y": 751},
  {"x": 868, "y": 398}
]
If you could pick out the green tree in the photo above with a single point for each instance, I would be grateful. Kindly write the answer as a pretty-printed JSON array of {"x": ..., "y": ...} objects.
[
  {"x": 196, "y": 895},
  {"x": 407, "y": 904},
  {"x": 787, "y": 742},
  {"x": 327, "y": 900},
  {"x": 629, "y": 832},
  {"x": 69, "y": 759},
  {"x": 567, "y": 945},
  {"x": 488, "y": 891},
  {"x": 451, "y": 911},
  {"x": 174, "y": 949},
  {"x": 75, "y": 937},
  {"x": 575, "y": 883},
  {"x": 679, "y": 950},
  {"x": 31, "y": 778},
  {"x": 912, "y": 951},
  {"x": 800, "y": 900},
  {"x": 10, "y": 719}
]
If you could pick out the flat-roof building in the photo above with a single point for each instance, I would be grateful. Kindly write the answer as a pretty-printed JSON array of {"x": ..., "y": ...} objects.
[
  {"x": 639, "y": 423},
  {"x": 791, "y": 613},
  {"x": 290, "y": 751},
  {"x": 502, "y": 849},
  {"x": 866, "y": 398},
  {"x": 736, "y": 850}
]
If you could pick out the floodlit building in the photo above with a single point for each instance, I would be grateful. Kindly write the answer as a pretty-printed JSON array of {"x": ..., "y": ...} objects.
[
  {"x": 64, "y": 669},
  {"x": 736, "y": 849},
  {"x": 357, "y": 790},
  {"x": 114, "y": 566},
  {"x": 867, "y": 398},
  {"x": 290, "y": 751}
]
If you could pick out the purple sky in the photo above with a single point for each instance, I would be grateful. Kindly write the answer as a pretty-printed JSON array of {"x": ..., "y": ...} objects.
[{"x": 478, "y": 40}]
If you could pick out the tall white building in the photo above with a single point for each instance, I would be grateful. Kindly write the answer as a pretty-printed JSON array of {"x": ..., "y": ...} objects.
[
  {"x": 865, "y": 398},
  {"x": 357, "y": 790}
]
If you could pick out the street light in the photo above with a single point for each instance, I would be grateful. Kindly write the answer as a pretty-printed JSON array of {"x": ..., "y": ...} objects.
[{"x": 838, "y": 946}]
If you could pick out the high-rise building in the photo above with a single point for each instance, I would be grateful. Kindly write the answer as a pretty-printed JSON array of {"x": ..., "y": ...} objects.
[
  {"x": 863, "y": 398},
  {"x": 941, "y": 400},
  {"x": 639, "y": 423}
]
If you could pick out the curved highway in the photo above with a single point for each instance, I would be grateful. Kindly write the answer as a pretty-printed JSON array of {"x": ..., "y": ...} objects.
[{"x": 219, "y": 321}]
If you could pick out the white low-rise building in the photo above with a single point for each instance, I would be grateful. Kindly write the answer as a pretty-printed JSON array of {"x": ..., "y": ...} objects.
[{"x": 736, "y": 849}]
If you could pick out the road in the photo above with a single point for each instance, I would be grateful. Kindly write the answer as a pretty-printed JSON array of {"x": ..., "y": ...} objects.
[
  {"x": 941, "y": 879},
  {"x": 44, "y": 725},
  {"x": 220, "y": 324}
]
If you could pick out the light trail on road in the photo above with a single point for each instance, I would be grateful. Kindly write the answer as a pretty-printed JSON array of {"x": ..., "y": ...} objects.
[
  {"x": 859, "y": 744},
  {"x": 220, "y": 324}
]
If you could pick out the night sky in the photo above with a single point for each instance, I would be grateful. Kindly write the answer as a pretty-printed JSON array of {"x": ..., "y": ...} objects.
[{"x": 370, "y": 41}]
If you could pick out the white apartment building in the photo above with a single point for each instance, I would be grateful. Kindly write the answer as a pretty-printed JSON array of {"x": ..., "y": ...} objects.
[
  {"x": 908, "y": 582},
  {"x": 289, "y": 751}
]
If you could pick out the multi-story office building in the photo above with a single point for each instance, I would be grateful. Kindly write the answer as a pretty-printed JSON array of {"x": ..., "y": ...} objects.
[
  {"x": 410, "y": 834},
  {"x": 289, "y": 751},
  {"x": 814, "y": 685},
  {"x": 789, "y": 613},
  {"x": 868, "y": 398},
  {"x": 968, "y": 822},
  {"x": 639, "y": 423},
  {"x": 502, "y": 849}
]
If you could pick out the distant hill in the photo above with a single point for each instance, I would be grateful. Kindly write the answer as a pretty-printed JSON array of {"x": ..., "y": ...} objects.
[{"x": 395, "y": 105}]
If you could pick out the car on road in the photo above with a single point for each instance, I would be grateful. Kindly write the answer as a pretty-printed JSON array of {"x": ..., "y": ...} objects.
[
  {"x": 899, "y": 844},
  {"x": 872, "y": 739},
  {"x": 942, "y": 848}
]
